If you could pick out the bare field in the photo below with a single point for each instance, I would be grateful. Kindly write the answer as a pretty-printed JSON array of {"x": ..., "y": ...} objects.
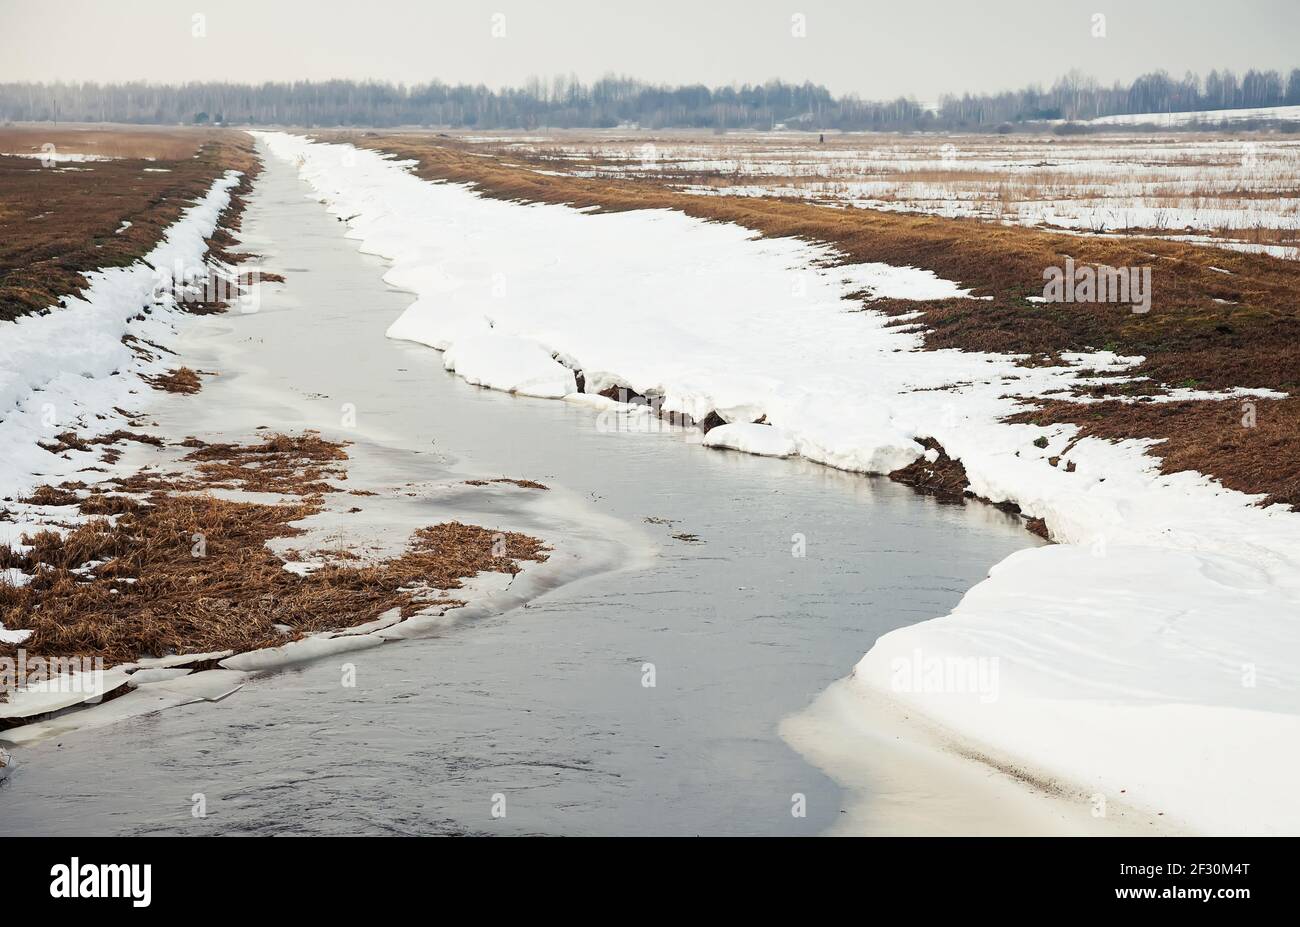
[
  {"x": 64, "y": 215},
  {"x": 1240, "y": 191},
  {"x": 156, "y": 143}
]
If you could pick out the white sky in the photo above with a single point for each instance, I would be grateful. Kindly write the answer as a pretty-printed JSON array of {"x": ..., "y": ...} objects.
[{"x": 877, "y": 48}]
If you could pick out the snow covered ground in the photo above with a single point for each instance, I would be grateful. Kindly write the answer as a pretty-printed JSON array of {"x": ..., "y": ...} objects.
[
  {"x": 1203, "y": 117},
  {"x": 1244, "y": 191},
  {"x": 1148, "y": 658},
  {"x": 70, "y": 370}
]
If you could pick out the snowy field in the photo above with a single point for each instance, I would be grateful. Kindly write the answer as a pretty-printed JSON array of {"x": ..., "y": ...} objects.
[
  {"x": 1209, "y": 117},
  {"x": 1148, "y": 657},
  {"x": 1235, "y": 191}
]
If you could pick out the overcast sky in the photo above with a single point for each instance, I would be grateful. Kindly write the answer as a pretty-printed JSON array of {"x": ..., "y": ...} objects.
[{"x": 876, "y": 49}]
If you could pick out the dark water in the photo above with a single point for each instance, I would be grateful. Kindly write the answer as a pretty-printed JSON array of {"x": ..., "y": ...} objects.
[{"x": 544, "y": 706}]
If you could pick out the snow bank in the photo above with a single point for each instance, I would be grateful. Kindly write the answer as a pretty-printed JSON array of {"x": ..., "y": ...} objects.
[
  {"x": 1151, "y": 654},
  {"x": 763, "y": 440},
  {"x": 509, "y": 363},
  {"x": 299, "y": 651},
  {"x": 69, "y": 369}
]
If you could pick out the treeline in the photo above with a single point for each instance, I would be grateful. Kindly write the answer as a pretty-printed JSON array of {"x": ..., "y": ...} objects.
[
  {"x": 569, "y": 103},
  {"x": 1076, "y": 97}
]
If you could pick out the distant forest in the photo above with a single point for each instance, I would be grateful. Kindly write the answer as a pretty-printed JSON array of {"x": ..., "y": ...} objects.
[{"x": 568, "y": 103}]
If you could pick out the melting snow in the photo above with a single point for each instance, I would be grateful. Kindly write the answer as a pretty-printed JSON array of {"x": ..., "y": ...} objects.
[{"x": 1150, "y": 653}]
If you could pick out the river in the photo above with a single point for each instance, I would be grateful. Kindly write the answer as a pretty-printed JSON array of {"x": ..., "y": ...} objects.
[{"x": 543, "y": 711}]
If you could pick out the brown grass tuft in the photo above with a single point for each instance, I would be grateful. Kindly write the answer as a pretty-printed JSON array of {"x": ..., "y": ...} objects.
[
  {"x": 179, "y": 573},
  {"x": 179, "y": 380}
]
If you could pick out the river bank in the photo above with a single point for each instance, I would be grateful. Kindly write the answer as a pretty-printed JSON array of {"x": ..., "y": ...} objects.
[{"x": 160, "y": 563}]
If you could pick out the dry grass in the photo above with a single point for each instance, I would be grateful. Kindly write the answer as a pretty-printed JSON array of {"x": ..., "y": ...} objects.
[
  {"x": 154, "y": 592},
  {"x": 294, "y": 465},
  {"x": 132, "y": 142},
  {"x": 180, "y": 380},
  {"x": 71, "y": 441},
  {"x": 1208, "y": 437},
  {"x": 57, "y": 223},
  {"x": 1217, "y": 182}
]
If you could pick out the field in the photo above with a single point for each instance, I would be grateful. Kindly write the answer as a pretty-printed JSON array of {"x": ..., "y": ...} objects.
[
  {"x": 74, "y": 200},
  {"x": 1238, "y": 191},
  {"x": 1221, "y": 320}
]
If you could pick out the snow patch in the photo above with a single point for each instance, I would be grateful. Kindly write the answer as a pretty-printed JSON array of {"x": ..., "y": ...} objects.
[
  {"x": 763, "y": 440},
  {"x": 510, "y": 363}
]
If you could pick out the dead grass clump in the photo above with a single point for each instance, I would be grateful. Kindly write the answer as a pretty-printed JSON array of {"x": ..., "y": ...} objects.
[
  {"x": 522, "y": 484},
  {"x": 49, "y": 495},
  {"x": 190, "y": 572},
  {"x": 94, "y": 540},
  {"x": 290, "y": 465},
  {"x": 193, "y": 573},
  {"x": 65, "y": 441},
  {"x": 281, "y": 463},
  {"x": 180, "y": 380},
  {"x": 71, "y": 441},
  {"x": 121, "y": 434},
  {"x": 102, "y": 503}
]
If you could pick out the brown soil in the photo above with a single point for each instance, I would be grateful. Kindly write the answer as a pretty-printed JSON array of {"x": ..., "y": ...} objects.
[
  {"x": 945, "y": 478},
  {"x": 57, "y": 223}
]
